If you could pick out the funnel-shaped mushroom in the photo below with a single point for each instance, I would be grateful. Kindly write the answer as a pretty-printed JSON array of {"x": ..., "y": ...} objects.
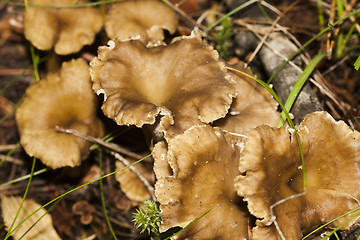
[
  {"x": 144, "y": 18},
  {"x": 69, "y": 29},
  {"x": 182, "y": 84},
  {"x": 204, "y": 163},
  {"x": 272, "y": 172},
  {"x": 63, "y": 99},
  {"x": 252, "y": 107}
]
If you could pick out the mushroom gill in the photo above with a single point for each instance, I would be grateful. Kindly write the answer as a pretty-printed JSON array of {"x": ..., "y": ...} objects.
[
  {"x": 63, "y": 99},
  {"x": 204, "y": 162},
  {"x": 181, "y": 84},
  {"x": 272, "y": 176}
]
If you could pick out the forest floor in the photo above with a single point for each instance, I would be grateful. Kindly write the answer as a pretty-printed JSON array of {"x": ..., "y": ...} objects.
[{"x": 16, "y": 73}]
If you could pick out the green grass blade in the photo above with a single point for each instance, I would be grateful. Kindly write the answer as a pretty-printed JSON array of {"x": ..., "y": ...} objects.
[
  {"x": 191, "y": 223},
  {"x": 74, "y": 189},
  {"x": 335, "y": 219},
  {"x": 47, "y": 211},
  {"x": 291, "y": 123},
  {"x": 320, "y": 14},
  {"x": 310, "y": 41},
  {"x": 25, "y": 177},
  {"x": 340, "y": 8},
  {"x": 9, "y": 153},
  {"x": 299, "y": 84},
  {"x": 103, "y": 198},
  {"x": 357, "y": 63},
  {"x": 235, "y": 10},
  {"x": 22, "y": 201}
]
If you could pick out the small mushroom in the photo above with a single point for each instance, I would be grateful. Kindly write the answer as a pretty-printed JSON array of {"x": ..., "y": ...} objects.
[
  {"x": 272, "y": 177},
  {"x": 68, "y": 29},
  {"x": 85, "y": 210},
  {"x": 63, "y": 99},
  {"x": 252, "y": 107},
  {"x": 133, "y": 187},
  {"x": 175, "y": 86},
  {"x": 140, "y": 18},
  {"x": 204, "y": 162}
]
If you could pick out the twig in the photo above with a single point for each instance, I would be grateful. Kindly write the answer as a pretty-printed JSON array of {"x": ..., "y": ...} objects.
[
  {"x": 11, "y": 159},
  {"x": 4, "y": 148},
  {"x": 114, "y": 147},
  {"x": 139, "y": 175},
  {"x": 270, "y": 31}
]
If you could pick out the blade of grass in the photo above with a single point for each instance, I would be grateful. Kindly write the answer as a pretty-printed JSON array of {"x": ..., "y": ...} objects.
[
  {"x": 12, "y": 110},
  {"x": 22, "y": 201},
  {"x": 291, "y": 123},
  {"x": 191, "y": 223},
  {"x": 335, "y": 219},
  {"x": 357, "y": 63},
  {"x": 299, "y": 84},
  {"x": 103, "y": 198},
  {"x": 25, "y": 177},
  {"x": 72, "y": 190},
  {"x": 235, "y": 10},
  {"x": 320, "y": 14},
  {"x": 9, "y": 153},
  {"x": 341, "y": 225},
  {"x": 310, "y": 41},
  {"x": 47, "y": 211}
]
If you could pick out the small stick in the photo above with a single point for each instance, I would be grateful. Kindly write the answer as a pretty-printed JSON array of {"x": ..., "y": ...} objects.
[
  {"x": 134, "y": 170},
  {"x": 114, "y": 147}
]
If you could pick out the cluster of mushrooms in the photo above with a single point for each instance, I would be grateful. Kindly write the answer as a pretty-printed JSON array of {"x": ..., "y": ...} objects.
[{"x": 216, "y": 149}]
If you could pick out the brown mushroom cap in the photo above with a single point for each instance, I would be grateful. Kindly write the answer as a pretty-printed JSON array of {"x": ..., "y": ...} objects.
[
  {"x": 204, "y": 163},
  {"x": 272, "y": 171},
  {"x": 130, "y": 183},
  {"x": 63, "y": 99},
  {"x": 252, "y": 107},
  {"x": 144, "y": 18},
  {"x": 39, "y": 230},
  {"x": 183, "y": 84},
  {"x": 69, "y": 29}
]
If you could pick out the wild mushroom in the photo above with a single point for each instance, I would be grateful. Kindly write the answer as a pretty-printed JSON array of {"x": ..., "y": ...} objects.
[
  {"x": 144, "y": 18},
  {"x": 69, "y": 29},
  {"x": 204, "y": 162},
  {"x": 272, "y": 177},
  {"x": 252, "y": 107},
  {"x": 34, "y": 229},
  {"x": 175, "y": 86},
  {"x": 133, "y": 187},
  {"x": 63, "y": 99}
]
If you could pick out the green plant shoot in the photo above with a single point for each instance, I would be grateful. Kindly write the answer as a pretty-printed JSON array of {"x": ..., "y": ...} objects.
[
  {"x": 223, "y": 39},
  {"x": 148, "y": 219}
]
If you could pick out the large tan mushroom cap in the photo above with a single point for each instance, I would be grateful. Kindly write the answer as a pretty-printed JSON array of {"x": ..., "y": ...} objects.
[
  {"x": 272, "y": 172},
  {"x": 183, "y": 84},
  {"x": 252, "y": 107},
  {"x": 204, "y": 163},
  {"x": 144, "y": 18},
  {"x": 68, "y": 29},
  {"x": 63, "y": 99}
]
